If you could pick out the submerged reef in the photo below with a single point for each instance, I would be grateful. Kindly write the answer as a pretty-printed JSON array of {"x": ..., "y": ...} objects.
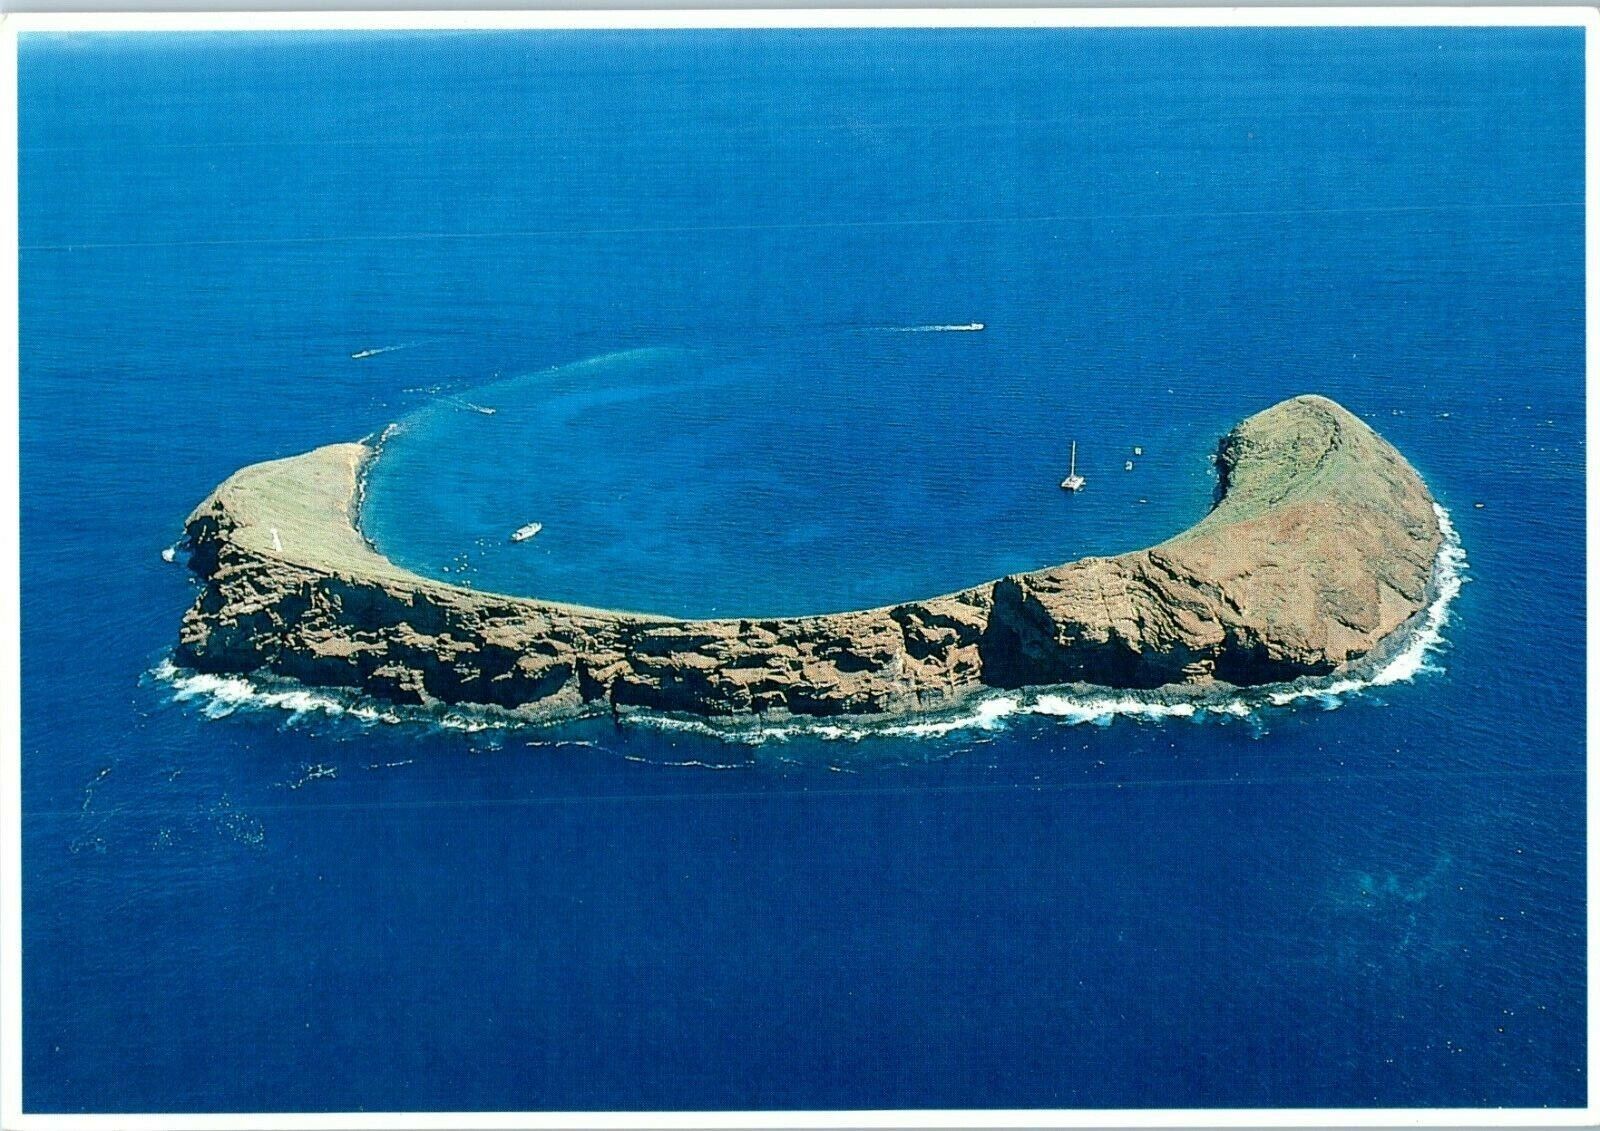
[{"x": 1319, "y": 550}]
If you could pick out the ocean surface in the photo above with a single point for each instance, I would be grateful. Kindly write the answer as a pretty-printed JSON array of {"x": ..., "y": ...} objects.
[{"x": 710, "y": 285}]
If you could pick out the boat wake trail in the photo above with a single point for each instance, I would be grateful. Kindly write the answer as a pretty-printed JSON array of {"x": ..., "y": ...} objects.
[
  {"x": 361, "y": 355},
  {"x": 1415, "y": 653},
  {"x": 943, "y": 328},
  {"x": 462, "y": 402}
]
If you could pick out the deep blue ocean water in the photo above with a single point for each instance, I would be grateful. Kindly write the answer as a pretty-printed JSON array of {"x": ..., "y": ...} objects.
[{"x": 680, "y": 267}]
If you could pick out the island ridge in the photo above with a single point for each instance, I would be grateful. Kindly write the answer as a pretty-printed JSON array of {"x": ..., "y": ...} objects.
[{"x": 1321, "y": 547}]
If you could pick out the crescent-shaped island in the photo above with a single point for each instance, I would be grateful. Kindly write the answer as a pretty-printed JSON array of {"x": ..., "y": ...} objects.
[{"x": 1319, "y": 552}]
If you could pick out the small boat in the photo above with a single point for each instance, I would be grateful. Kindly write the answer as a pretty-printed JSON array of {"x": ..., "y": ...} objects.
[
  {"x": 1127, "y": 465},
  {"x": 523, "y": 533},
  {"x": 1073, "y": 481}
]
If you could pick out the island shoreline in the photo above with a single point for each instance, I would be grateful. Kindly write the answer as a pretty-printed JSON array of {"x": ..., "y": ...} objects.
[
  {"x": 1088, "y": 702},
  {"x": 1320, "y": 548}
]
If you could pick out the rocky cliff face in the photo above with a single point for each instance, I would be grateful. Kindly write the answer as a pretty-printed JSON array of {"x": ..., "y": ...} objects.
[{"x": 1322, "y": 544}]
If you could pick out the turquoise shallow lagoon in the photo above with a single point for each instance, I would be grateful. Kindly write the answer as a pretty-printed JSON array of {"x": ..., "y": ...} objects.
[
  {"x": 834, "y": 471},
  {"x": 679, "y": 267}
]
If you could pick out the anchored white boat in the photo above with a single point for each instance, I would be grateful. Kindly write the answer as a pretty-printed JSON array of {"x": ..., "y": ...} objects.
[
  {"x": 523, "y": 533},
  {"x": 1073, "y": 481}
]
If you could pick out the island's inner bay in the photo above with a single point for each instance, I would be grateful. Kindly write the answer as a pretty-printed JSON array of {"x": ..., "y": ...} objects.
[{"x": 842, "y": 469}]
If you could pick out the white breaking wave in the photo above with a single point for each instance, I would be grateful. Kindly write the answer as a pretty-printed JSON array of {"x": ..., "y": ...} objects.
[
  {"x": 222, "y": 695},
  {"x": 218, "y": 696}
]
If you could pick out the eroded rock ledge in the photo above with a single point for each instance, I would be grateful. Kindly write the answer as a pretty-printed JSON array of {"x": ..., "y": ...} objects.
[{"x": 1321, "y": 545}]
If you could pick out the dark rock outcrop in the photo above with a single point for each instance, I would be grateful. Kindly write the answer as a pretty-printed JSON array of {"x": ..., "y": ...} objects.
[{"x": 1322, "y": 543}]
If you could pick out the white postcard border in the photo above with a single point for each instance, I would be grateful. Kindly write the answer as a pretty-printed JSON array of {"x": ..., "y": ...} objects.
[{"x": 12, "y": 1117}]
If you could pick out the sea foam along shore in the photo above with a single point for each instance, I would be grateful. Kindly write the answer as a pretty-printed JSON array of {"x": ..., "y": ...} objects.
[{"x": 1413, "y": 653}]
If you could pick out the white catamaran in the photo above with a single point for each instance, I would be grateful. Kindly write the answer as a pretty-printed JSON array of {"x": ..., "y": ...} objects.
[{"x": 1073, "y": 481}]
